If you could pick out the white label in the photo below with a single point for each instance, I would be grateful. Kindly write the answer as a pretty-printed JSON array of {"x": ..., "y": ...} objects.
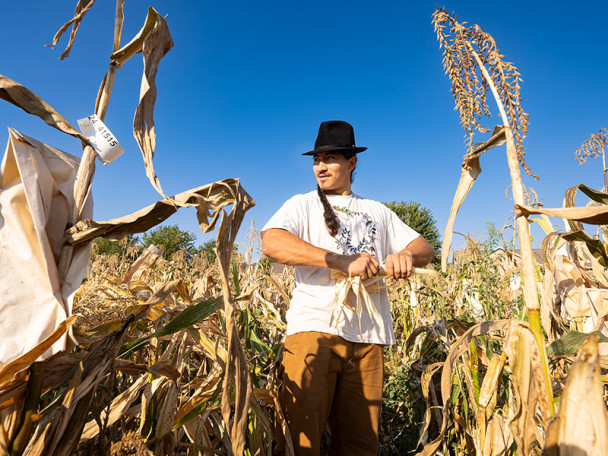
[{"x": 103, "y": 141}]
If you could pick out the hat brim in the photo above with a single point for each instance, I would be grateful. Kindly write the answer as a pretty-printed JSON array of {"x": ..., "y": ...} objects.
[{"x": 320, "y": 149}]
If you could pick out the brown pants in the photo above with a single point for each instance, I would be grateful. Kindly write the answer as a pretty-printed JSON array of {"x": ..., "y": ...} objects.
[{"x": 327, "y": 379}]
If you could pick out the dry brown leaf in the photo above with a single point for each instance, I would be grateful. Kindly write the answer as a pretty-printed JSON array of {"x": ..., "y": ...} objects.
[
  {"x": 164, "y": 368},
  {"x": 498, "y": 437},
  {"x": 490, "y": 381},
  {"x": 167, "y": 410},
  {"x": 129, "y": 367},
  {"x": 426, "y": 383},
  {"x": 141, "y": 268},
  {"x": 24, "y": 98},
  {"x": 155, "y": 45},
  {"x": 117, "y": 408},
  {"x": 120, "y": 56},
  {"x": 82, "y": 8},
  {"x": 528, "y": 387},
  {"x": 10, "y": 422},
  {"x": 26, "y": 360},
  {"x": 208, "y": 200},
  {"x": 61, "y": 433},
  {"x": 471, "y": 168},
  {"x": 571, "y": 288},
  {"x": 457, "y": 349},
  {"x": 594, "y": 215},
  {"x": 237, "y": 369}
]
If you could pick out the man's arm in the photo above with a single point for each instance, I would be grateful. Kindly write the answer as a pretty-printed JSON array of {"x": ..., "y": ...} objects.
[
  {"x": 417, "y": 254},
  {"x": 285, "y": 248}
]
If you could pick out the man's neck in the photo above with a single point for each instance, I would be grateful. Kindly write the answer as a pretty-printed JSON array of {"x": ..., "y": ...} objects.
[{"x": 344, "y": 192}]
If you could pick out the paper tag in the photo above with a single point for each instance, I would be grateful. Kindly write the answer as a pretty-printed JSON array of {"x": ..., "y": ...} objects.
[{"x": 105, "y": 144}]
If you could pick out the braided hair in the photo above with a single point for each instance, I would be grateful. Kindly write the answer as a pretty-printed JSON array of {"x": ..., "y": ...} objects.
[{"x": 331, "y": 219}]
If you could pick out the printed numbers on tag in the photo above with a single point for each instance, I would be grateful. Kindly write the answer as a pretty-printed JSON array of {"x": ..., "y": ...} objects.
[{"x": 101, "y": 138}]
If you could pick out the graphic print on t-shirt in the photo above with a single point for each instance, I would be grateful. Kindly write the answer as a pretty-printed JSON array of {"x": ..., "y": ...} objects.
[{"x": 365, "y": 229}]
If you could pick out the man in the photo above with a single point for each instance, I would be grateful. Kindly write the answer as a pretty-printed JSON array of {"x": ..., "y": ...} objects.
[{"x": 333, "y": 371}]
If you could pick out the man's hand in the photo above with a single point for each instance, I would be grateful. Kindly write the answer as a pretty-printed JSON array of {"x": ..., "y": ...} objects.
[
  {"x": 418, "y": 254},
  {"x": 361, "y": 264},
  {"x": 399, "y": 265}
]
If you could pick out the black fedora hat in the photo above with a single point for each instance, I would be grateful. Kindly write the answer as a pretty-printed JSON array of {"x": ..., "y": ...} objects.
[{"x": 335, "y": 135}]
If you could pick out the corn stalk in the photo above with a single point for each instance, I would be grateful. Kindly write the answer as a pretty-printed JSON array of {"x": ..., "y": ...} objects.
[
  {"x": 86, "y": 170},
  {"x": 467, "y": 49}
]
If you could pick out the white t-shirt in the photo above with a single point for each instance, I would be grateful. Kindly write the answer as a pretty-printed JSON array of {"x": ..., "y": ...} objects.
[{"x": 365, "y": 226}]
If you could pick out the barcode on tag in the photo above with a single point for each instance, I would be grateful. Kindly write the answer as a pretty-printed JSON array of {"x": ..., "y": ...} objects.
[{"x": 103, "y": 141}]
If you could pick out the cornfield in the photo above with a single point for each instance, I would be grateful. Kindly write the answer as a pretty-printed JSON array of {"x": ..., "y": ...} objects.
[{"x": 499, "y": 352}]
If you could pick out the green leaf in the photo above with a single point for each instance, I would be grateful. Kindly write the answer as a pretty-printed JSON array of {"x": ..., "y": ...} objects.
[
  {"x": 596, "y": 247},
  {"x": 259, "y": 346},
  {"x": 235, "y": 279},
  {"x": 186, "y": 318},
  {"x": 571, "y": 342},
  {"x": 598, "y": 197},
  {"x": 200, "y": 408}
]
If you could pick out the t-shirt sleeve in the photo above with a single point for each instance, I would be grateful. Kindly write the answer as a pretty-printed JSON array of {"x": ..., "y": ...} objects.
[
  {"x": 288, "y": 218},
  {"x": 399, "y": 235}
]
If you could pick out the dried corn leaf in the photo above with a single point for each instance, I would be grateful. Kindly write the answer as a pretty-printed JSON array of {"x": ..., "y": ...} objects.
[
  {"x": 129, "y": 367},
  {"x": 117, "y": 408},
  {"x": 591, "y": 215},
  {"x": 101, "y": 330},
  {"x": 490, "y": 381},
  {"x": 155, "y": 45},
  {"x": 164, "y": 368},
  {"x": 457, "y": 349},
  {"x": 26, "y": 360},
  {"x": 166, "y": 289},
  {"x": 24, "y": 98},
  {"x": 471, "y": 168},
  {"x": 237, "y": 371},
  {"x": 426, "y": 385},
  {"x": 548, "y": 312},
  {"x": 120, "y": 56},
  {"x": 571, "y": 289},
  {"x": 61, "y": 432},
  {"x": 208, "y": 200},
  {"x": 528, "y": 387},
  {"x": 141, "y": 268},
  {"x": 82, "y": 8},
  {"x": 212, "y": 349},
  {"x": 581, "y": 427},
  {"x": 197, "y": 434},
  {"x": 167, "y": 409},
  {"x": 136, "y": 287},
  {"x": 498, "y": 438}
]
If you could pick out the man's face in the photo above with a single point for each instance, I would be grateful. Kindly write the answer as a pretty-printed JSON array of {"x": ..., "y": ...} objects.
[{"x": 332, "y": 171}]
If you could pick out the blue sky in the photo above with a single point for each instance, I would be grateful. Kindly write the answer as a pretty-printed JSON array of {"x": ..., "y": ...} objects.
[{"x": 246, "y": 85}]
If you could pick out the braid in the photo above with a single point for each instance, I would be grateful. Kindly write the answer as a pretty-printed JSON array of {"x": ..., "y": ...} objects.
[{"x": 331, "y": 219}]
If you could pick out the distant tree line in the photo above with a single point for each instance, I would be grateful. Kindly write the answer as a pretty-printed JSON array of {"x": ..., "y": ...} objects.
[{"x": 170, "y": 239}]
